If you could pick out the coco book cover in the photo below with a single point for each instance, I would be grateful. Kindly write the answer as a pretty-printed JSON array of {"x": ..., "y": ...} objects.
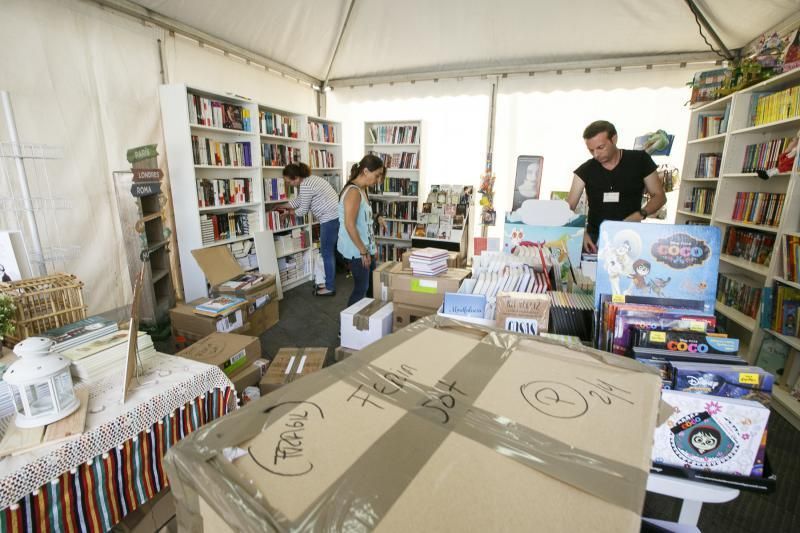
[{"x": 658, "y": 261}]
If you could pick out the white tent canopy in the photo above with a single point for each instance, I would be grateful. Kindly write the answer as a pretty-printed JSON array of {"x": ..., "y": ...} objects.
[{"x": 387, "y": 39}]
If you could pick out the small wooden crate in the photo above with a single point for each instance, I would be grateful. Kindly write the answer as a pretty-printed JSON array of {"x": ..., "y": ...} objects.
[{"x": 44, "y": 303}]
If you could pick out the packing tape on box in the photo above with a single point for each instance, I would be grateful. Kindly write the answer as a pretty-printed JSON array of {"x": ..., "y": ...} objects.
[
  {"x": 369, "y": 487},
  {"x": 362, "y": 316}
]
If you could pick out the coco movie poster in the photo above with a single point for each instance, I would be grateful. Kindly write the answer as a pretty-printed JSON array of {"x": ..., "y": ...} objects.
[{"x": 658, "y": 261}]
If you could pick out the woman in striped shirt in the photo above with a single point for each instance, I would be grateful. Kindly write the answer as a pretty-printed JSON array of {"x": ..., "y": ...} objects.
[{"x": 320, "y": 198}]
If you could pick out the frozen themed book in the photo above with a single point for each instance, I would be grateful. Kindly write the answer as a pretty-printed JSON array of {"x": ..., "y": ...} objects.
[
  {"x": 658, "y": 261},
  {"x": 710, "y": 433}
]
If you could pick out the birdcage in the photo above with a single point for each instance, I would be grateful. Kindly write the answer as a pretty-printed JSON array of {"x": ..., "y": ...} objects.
[{"x": 44, "y": 303}]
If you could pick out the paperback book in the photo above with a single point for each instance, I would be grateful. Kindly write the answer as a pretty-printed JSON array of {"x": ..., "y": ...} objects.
[{"x": 219, "y": 306}]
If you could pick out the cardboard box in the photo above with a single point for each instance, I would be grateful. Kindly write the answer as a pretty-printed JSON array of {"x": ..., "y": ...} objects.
[
  {"x": 523, "y": 312},
  {"x": 227, "y": 351},
  {"x": 246, "y": 377},
  {"x": 380, "y": 280},
  {"x": 291, "y": 364},
  {"x": 219, "y": 266},
  {"x": 259, "y": 319},
  {"x": 150, "y": 516},
  {"x": 341, "y": 353},
  {"x": 424, "y": 291},
  {"x": 365, "y": 322},
  {"x": 405, "y": 314},
  {"x": 454, "y": 259},
  {"x": 542, "y": 455},
  {"x": 193, "y": 327}
]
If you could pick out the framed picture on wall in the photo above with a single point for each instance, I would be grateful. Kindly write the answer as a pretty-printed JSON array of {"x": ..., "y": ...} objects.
[{"x": 528, "y": 179}]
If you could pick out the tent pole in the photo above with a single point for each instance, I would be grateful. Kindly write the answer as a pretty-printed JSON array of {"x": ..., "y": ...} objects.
[
  {"x": 490, "y": 141},
  {"x": 704, "y": 22},
  {"x": 338, "y": 43}
]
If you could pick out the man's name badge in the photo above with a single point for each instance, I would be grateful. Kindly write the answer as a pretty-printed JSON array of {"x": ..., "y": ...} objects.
[{"x": 610, "y": 197}]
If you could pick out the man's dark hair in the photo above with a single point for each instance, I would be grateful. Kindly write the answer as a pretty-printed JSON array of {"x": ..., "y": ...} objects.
[{"x": 599, "y": 126}]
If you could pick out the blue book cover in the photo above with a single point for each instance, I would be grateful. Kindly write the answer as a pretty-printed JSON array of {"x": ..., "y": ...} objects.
[
  {"x": 658, "y": 261},
  {"x": 471, "y": 305},
  {"x": 742, "y": 382}
]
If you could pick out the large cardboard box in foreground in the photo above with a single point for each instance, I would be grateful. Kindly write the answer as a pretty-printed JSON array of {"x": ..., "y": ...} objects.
[
  {"x": 291, "y": 364},
  {"x": 514, "y": 433}
]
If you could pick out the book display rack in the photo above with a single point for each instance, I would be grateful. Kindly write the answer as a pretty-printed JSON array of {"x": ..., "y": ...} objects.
[
  {"x": 734, "y": 147},
  {"x": 226, "y": 156}
]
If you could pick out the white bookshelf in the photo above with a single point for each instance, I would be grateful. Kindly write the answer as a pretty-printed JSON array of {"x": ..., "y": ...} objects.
[
  {"x": 733, "y": 178},
  {"x": 393, "y": 139},
  {"x": 185, "y": 173},
  {"x": 325, "y": 137}
]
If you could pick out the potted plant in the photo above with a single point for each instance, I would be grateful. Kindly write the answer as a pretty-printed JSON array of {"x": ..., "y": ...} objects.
[{"x": 7, "y": 315}]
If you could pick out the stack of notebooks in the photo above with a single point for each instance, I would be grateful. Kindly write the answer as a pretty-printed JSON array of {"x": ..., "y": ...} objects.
[
  {"x": 428, "y": 261},
  {"x": 80, "y": 332},
  {"x": 222, "y": 305},
  {"x": 571, "y": 314},
  {"x": 106, "y": 354}
]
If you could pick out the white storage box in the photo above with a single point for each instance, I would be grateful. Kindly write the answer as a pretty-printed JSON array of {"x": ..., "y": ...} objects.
[{"x": 365, "y": 322}]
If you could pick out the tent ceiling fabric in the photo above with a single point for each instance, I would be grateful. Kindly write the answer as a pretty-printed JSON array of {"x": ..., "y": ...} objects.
[{"x": 387, "y": 37}]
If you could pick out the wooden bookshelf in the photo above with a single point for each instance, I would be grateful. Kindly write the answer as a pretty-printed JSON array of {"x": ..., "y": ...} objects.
[
  {"x": 734, "y": 177},
  {"x": 288, "y": 132},
  {"x": 395, "y": 140}
]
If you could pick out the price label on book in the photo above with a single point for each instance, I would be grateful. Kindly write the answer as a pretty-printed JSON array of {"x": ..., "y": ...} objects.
[
  {"x": 147, "y": 174},
  {"x": 658, "y": 336},
  {"x": 145, "y": 189},
  {"x": 618, "y": 298},
  {"x": 696, "y": 325},
  {"x": 748, "y": 379}
]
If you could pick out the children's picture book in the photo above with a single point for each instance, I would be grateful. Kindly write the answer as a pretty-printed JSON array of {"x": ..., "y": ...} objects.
[
  {"x": 772, "y": 355},
  {"x": 658, "y": 261},
  {"x": 710, "y": 433},
  {"x": 560, "y": 237},
  {"x": 789, "y": 323}
]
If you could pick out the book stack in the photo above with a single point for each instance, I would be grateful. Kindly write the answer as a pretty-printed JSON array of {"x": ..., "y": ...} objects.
[
  {"x": 320, "y": 132},
  {"x": 80, "y": 332},
  {"x": 208, "y": 112},
  {"x": 772, "y": 107},
  {"x": 571, "y": 314},
  {"x": 787, "y": 305},
  {"x": 708, "y": 165},
  {"x": 221, "y": 154},
  {"x": 321, "y": 158},
  {"x": 108, "y": 353},
  {"x": 399, "y": 160},
  {"x": 740, "y": 292},
  {"x": 219, "y": 192},
  {"x": 700, "y": 200},
  {"x": 241, "y": 283},
  {"x": 222, "y": 226},
  {"x": 279, "y": 155},
  {"x": 219, "y": 306},
  {"x": 763, "y": 156},
  {"x": 753, "y": 246},
  {"x": 759, "y": 207},
  {"x": 270, "y": 123},
  {"x": 791, "y": 254},
  {"x": 393, "y": 134},
  {"x": 428, "y": 261}
]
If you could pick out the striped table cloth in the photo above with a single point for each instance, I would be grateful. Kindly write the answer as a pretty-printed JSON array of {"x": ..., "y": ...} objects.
[{"x": 91, "y": 483}]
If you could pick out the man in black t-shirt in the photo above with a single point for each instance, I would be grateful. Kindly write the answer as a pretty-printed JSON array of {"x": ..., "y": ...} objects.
[{"x": 615, "y": 181}]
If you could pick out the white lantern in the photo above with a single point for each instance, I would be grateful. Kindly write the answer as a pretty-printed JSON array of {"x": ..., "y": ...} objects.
[{"x": 40, "y": 383}]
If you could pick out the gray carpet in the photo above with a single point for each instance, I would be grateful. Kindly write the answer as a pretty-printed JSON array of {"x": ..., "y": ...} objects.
[{"x": 306, "y": 320}]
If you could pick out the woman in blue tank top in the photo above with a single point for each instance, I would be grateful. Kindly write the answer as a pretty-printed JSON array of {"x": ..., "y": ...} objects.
[{"x": 356, "y": 234}]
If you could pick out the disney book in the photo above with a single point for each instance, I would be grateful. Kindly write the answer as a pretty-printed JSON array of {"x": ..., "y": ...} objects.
[{"x": 658, "y": 261}]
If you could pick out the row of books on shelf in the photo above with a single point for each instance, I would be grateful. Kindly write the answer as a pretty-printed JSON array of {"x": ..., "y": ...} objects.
[
  {"x": 223, "y": 191},
  {"x": 321, "y": 158},
  {"x": 321, "y": 132},
  {"x": 396, "y": 186},
  {"x": 772, "y": 107},
  {"x": 739, "y": 292},
  {"x": 334, "y": 179},
  {"x": 280, "y": 220},
  {"x": 271, "y": 123},
  {"x": 276, "y": 189},
  {"x": 753, "y": 246},
  {"x": 783, "y": 309},
  {"x": 763, "y": 156},
  {"x": 763, "y": 208},
  {"x": 391, "y": 252},
  {"x": 393, "y": 134},
  {"x": 397, "y": 230},
  {"x": 293, "y": 267},
  {"x": 700, "y": 200},
  {"x": 709, "y": 124},
  {"x": 221, "y": 226},
  {"x": 401, "y": 210},
  {"x": 408, "y": 160},
  {"x": 708, "y": 165},
  {"x": 791, "y": 258},
  {"x": 288, "y": 243},
  {"x": 279, "y": 155},
  {"x": 221, "y": 154},
  {"x": 209, "y": 112}
]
